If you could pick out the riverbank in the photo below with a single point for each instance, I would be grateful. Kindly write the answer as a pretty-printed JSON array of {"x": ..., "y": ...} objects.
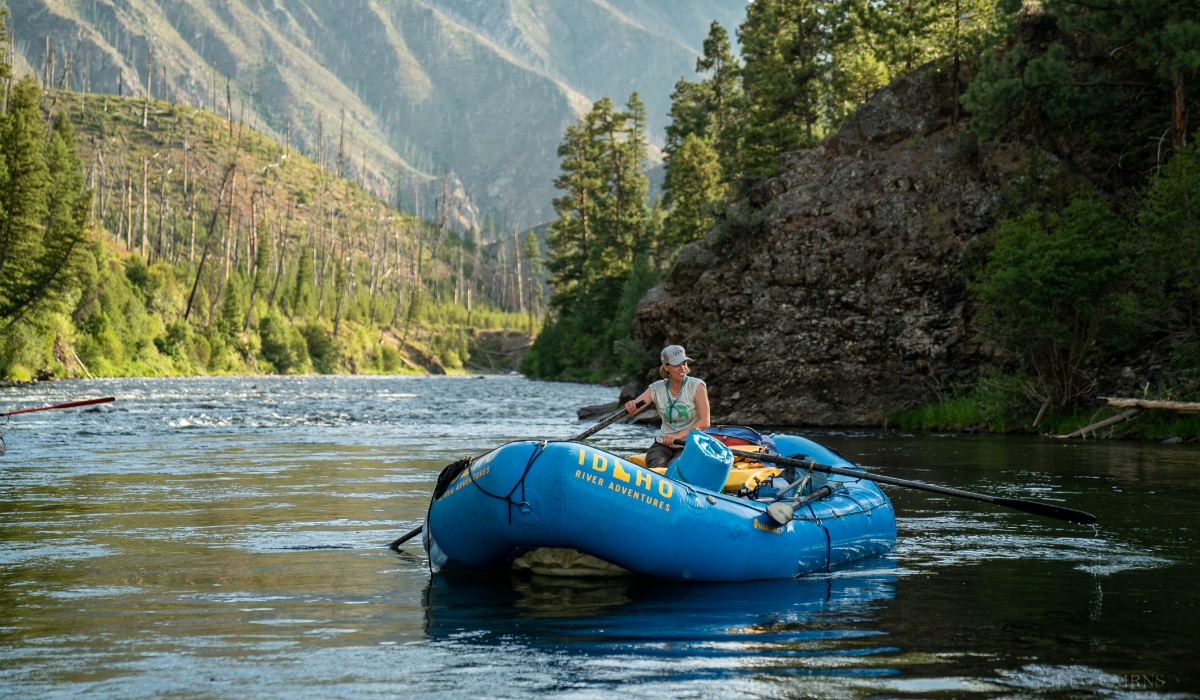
[{"x": 975, "y": 413}]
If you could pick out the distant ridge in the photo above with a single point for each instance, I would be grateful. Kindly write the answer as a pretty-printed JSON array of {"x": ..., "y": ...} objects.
[{"x": 484, "y": 87}]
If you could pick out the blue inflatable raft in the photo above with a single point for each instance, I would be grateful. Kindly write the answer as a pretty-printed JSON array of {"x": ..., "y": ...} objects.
[{"x": 569, "y": 509}]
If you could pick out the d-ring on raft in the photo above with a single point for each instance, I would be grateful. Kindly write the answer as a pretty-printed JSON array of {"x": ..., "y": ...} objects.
[{"x": 704, "y": 519}]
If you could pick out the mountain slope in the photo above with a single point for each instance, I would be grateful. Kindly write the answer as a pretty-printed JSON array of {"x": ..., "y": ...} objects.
[
  {"x": 602, "y": 47},
  {"x": 483, "y": 87}
]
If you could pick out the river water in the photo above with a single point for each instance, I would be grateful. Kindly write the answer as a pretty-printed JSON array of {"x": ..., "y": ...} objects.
[{"x": 225, "y": 537}]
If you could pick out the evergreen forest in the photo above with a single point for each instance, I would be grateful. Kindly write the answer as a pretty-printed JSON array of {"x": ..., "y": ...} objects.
[
  {"x": 144, "y": 237},
  {"x": 1093, "y": 261}
]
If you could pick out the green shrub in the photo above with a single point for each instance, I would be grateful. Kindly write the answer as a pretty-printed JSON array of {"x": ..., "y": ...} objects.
[
  {"x": 178, "y": 343},
  {"x": 19, "y": 373},
  {"x": 389, "y": 358},
  {"x": 233, "y": 309},
  {"x": 278, "y": 346},
  {"x": 450, "y": 349},
  {"x": 202, "y": 350},
  {"x": 321, "y": 348},
  {"x": 217, "y": 347},
  {"x": 997, "y": 401},
  {"x": 142, "y": 277},
  {"x": 1052, "y": 293},
  {"x": 1168, "y": 271}
]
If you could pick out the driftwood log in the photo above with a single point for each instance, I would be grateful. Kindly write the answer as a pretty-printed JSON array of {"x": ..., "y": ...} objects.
[
  {"x": 1135, "y": 407},
  {"x": 1152, "y": 403}
]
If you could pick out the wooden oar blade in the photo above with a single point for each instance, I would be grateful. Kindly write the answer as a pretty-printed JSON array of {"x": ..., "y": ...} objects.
[{"x": 1046, "y": 510}]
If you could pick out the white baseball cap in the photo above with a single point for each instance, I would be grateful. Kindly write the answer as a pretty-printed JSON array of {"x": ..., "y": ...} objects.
[{"x": 673, "y": 355}]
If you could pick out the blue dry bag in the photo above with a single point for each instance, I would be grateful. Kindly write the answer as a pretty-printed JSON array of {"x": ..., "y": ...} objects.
[{"x": 705, "y": 462}]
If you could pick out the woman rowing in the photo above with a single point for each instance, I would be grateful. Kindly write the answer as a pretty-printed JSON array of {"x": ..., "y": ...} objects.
[{"x": 682, "y": 402}]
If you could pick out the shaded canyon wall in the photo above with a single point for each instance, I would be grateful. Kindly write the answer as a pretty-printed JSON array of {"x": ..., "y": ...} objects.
[{"x": 834, "y": 294}]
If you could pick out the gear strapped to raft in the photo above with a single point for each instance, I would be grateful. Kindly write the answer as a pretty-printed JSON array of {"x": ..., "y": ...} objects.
[
  {"x": 737, "y": 435},
  {"x": 449, "y": 474}
]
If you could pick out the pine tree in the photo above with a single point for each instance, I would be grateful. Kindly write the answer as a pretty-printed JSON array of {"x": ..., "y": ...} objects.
[
  {"x": 694, "y": 189},
  {"x": 910, "y": 31},
  {"x": 710, "y": 107},
  {"x": 600, "y": 231},
  {"x": 262, "y": 271},
  {"x": 233, "y": 309},
  {"x": 531, "y": 251},
  {"x": 570, "y": 239},
  {"x": 44, "y": 212},
  {"x": 1105, "y": 89},
  {"x": 857, "y": 65},
  {"x": 785, "y": 48},
  {"x": 620, "y": 226},
  {"x": 724, "y": 91},
  {"x": 636, "y": 185},
  {"x": 5, "y": 59},
  {"x": 23, "y": 196},
  {"x": 302, "y": 290},
  {"x": 489, "y": 227}
]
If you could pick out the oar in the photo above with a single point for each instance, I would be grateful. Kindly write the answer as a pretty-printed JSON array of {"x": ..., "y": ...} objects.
[
  {"x": 396, "y": 545},
  {"x": 616, "y": 416},
  {"x": 1032, "y": 507},
  {"x": 72, "y": 404},
  {"x": 604, "y": 424}
]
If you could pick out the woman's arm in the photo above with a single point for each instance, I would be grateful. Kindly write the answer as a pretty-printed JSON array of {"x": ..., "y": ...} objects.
[
  {"x": 702, "y": 417},
  {"x": 632, "y": 406}
]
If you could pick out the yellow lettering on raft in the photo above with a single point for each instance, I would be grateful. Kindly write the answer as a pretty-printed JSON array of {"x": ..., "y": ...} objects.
[
  {"x": 619, "y": 473},
  {"x": 602, "y": 461},
  {"x": 665, "y": 488},
  {"x": 640, "y": 474},
  {"x": 582, "y": 454}
]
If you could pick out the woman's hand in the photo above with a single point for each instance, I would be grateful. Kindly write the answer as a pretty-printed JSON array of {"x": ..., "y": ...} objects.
[
  {"x": 639, "y": 403},
  {"x": 672, "y": 439}
]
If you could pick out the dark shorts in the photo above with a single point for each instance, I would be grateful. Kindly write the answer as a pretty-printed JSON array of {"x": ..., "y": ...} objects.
[{"x": 660, "y": 455}]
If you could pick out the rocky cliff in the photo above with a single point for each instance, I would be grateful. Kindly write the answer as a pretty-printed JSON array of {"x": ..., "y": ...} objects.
[{"x": 835, "y": 293}]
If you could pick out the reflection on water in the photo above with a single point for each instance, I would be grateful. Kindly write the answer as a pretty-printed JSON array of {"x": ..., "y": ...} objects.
[
  {"x": 762, "y": 623},
  {"x": 225, "y": 537}
]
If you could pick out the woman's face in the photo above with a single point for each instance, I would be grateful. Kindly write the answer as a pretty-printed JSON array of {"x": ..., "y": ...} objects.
[{"x": 679, "y": 371}]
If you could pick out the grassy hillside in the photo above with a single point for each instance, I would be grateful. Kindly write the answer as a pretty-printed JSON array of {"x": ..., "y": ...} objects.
[{"x": 214, "y": 250}]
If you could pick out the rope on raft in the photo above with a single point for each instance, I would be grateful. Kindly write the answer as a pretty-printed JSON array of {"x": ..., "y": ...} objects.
[
  {"x": 817, "y": 520},
  {"x": 537, "y": 452}
]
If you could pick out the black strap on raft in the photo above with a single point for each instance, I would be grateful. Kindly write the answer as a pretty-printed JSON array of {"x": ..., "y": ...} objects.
[
  {"x": 449, "y": 474},
  {"x": 537, "y": 452}
]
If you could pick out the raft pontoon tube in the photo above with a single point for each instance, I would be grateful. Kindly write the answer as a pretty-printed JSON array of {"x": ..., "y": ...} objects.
[{"x": 524, "y": 496}]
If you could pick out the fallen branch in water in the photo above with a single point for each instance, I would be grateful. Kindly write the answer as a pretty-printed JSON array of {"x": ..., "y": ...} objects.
[{"x": 1119, "y": 418}]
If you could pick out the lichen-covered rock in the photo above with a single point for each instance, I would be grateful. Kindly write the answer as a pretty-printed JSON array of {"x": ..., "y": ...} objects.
[{"x": 834, "y": 294}]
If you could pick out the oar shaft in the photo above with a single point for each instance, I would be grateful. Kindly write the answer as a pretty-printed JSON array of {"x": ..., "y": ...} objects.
[
  {"x": 1032, "y": 507},
  {"x": 604, "y": 423},
  {"x": 828, "y": 469},
  {"x": 396, "y": 545},
  {"x": 72, "y": 404}
]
